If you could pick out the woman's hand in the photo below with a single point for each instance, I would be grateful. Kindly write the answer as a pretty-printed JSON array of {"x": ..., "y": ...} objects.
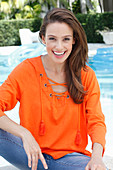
[
  {"x": 95, "y": 164},
  {"x": 31, "y": 147},
  {"x": 33, "y": 151}
]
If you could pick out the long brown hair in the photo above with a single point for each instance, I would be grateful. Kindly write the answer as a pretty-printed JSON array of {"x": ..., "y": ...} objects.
[{"x": 79, "y": 55}]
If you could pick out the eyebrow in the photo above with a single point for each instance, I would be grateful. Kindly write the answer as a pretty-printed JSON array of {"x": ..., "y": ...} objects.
[{"x": 63, "y": 36}]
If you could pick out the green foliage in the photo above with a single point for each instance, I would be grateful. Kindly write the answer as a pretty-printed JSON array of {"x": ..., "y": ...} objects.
[
  {"x": 2, "y": 15},
  {"x": 24, "y": 9},
  {"x": 9, "y": 30},
  {"x": 19, "y": 10},
  {"x": 91, "y": 6},
  {"x": 29, "y": 12},
  {"x": 93, "y": 22},
  {"x": 76, "y": 7},
  {"x": 64, "y": 4}
]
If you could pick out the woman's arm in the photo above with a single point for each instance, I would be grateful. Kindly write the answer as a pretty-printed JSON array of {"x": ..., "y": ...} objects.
[
  {"x": 30, "y": 145},
  {"x": 96, "y": 162},
  {"x": 10, "y": 93},
  {"x": 95, "y": 121}
]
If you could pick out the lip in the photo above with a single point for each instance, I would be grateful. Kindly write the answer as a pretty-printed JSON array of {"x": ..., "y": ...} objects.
[
  {"x": 59, "y": 56},
  {"x": 59, "y": 53}
]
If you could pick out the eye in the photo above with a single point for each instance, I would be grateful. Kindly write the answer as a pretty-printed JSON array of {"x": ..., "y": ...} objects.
[
  {"x": 51, "y": 38},
  {"x": 66, "y": 39}
]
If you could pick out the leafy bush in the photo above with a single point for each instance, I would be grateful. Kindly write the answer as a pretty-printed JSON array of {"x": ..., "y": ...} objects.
[
  {"x": 9, "y": 30},
  {"x": 19, "y": 10},
  {"x": 93, "y": 22},
  {"x": 76, "y": 7}
]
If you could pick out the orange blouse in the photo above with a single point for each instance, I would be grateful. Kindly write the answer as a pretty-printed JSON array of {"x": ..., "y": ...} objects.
[{"x": 53, "y": 120}]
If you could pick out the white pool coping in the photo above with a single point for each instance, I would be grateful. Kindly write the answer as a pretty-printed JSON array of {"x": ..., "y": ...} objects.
[
  {"x": 7, "y": 50},
  {"x": 91, "y": 46}
]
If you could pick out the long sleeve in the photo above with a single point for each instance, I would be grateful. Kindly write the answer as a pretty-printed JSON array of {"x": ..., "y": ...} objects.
[
  {"x": 95, "y": 118},
  {"x": 10, "y": 90}
]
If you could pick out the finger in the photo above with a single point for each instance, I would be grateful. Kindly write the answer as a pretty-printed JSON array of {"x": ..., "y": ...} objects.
[
  {"x": 87, "y": 167},
  {"x": 33, "y": 162},
  {"x": 37, "y": 157},
  {"x": 99, "y": 167},
  {"x": 29, "y": 160},
  {"x": 41, "y": 157},
  {"x": 94, "y": 167}
]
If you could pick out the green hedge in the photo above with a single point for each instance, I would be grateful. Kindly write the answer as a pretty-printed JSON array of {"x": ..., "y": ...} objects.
[
  {"x": 9, "y": 30},
  {"x": 93, "y": 22}
]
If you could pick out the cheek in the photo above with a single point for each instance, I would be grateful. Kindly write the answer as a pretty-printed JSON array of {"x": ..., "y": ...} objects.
[
  {"x": 69, "y": 46},
  {"x": 48, "y": 47}
]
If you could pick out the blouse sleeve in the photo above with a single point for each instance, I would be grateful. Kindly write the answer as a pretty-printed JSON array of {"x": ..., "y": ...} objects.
[
  {"x": 95, "y": 118},
  {"x": 10, "y": 91}
]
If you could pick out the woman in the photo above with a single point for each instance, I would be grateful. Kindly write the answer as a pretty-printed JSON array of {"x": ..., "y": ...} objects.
[{"x": 59, "y": 103}]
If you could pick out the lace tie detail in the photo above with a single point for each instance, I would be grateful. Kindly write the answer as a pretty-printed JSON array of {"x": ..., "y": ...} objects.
[{"x": 42, "y": 128}]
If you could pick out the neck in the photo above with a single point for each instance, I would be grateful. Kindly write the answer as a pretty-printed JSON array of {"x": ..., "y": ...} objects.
[{"x": 51, "y": 66}]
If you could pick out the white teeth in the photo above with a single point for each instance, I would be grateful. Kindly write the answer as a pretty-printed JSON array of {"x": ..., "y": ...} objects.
[{"x": 59, "y": 53}]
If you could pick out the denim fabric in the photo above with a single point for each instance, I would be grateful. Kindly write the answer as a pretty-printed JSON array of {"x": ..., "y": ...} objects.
[{"x": 11, "y": 149}]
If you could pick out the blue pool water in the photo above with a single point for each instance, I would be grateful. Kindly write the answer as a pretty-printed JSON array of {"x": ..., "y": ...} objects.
[
  {"x": 101, "y": 63},
  {"x": 8, "y": 62}
]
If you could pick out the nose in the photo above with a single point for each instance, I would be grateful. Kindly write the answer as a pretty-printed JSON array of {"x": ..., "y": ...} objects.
[{"x": 59, "y": 45}]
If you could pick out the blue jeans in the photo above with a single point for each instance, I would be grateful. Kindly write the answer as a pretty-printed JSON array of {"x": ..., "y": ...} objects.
[{"x": 11, "y": 149}]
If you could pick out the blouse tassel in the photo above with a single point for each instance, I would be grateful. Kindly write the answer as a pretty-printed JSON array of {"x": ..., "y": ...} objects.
[
  {"x": 42, "y": 128},
  {"x": 78, "y": 138}
]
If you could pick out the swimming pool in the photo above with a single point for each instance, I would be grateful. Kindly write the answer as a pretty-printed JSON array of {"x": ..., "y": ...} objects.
[
  {"x": 8, "y": 62},
  {"x": 101, "y": 63}
]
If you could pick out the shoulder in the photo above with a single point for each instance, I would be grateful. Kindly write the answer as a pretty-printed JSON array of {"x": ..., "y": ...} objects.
[
  {"x": 34, "y": 61},
  {"x": 88, "y": 77},
  {"x": 87, "y": 72},
  {"x": 27, "y": 65},
  {"x": 25, "y": 69}
]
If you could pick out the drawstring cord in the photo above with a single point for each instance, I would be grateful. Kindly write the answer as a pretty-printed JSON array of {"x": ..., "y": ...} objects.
[
  {"x": 55, "y": 83},
  {"x": 78, "y": 138},
  {"x": 42, "y": 124},
  {"x": 42, "y": 128},
  {"x": 58, "y": 95}
]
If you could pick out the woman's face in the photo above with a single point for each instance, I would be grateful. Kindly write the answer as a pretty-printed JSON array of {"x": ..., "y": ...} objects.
[{"x": 58, "y": 40}]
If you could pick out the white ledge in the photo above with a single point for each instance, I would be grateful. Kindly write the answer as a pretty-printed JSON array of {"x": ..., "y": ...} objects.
[{"x": 107, "y": 36}]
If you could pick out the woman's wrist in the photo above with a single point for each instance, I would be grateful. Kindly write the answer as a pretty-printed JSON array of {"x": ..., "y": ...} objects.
[
  {"x": 23, "y": 132},
  {"x": 97, "y": 150}
]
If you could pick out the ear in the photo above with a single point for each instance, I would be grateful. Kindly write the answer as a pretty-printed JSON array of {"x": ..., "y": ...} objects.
[
  {"x": 43, "y": 40},
  {"x": 73, "y": 41}
]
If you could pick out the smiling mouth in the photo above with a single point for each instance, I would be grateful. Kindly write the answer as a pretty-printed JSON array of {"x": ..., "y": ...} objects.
[{"x": 59, "y": 53}]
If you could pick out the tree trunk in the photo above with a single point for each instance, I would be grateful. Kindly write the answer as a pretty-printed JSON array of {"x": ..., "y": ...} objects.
[
  {"x": 58, "y": 3},
  {"x": 101, "y": 5},
  {"x": 83, "y": 6},
  {"x": 70, "y": 3},
  {"x": 89, "y": 4},
  {"x": 108, "y": 5}
]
